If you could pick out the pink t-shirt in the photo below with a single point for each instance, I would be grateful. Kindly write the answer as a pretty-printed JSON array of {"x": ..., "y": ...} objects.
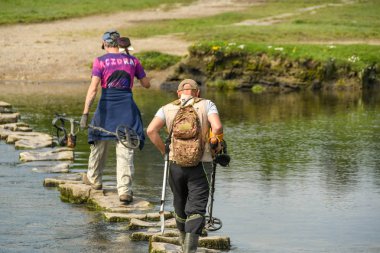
[{"x": 117, "y": 70}]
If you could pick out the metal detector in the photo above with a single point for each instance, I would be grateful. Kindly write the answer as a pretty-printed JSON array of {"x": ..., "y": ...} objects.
[
  {"x": 124, "y": 134},
  {"x": 223, "y": 159}
]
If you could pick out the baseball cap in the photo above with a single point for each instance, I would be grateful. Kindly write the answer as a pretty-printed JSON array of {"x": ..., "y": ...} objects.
[
  {"x": 124, "y": 42},
  {"x": 110, "y": 37},
  {"x": 193, "y": 85}
]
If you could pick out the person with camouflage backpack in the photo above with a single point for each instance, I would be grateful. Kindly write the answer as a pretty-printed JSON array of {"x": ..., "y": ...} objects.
[{"x": 192, "y": 122}]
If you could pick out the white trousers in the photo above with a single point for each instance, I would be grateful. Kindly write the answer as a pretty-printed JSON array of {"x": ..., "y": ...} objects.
[{"x": 124, "y": 165}]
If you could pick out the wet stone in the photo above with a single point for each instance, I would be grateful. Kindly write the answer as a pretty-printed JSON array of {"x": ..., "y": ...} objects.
[
  {"x": 55, "y": 154},
  {"x": 63, "y": 179},
  {"x": 9, "y": 117},
  {"x": 160, "y": 247},
  {"x": 119, "y": 217},
  {"x": 17, "y": 127},
  {"x": 171, "y": 236},
  {"x": 5, "y": 107},
  {"x": 146, "y": 234},
  {"x": 52, "y": 168},
  {"x": 135, "y": 224},
  {"x": 106, "y": 199},
  {"x": 26, "y": 140}
]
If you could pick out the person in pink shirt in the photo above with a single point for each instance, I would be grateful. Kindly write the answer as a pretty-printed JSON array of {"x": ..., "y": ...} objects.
[{"x": 114, "y": 72}]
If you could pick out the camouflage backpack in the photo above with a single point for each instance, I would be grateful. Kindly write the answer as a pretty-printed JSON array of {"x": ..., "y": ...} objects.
[{"x": 187, "y": 141}]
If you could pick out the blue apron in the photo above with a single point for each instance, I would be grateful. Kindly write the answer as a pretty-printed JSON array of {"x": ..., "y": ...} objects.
[{"x": 116, "y": 107}]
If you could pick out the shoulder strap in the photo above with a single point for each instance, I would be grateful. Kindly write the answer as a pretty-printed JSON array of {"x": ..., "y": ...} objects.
[
  {"x": 196, "y": 100},
  {"x": 178, "y": 101}
]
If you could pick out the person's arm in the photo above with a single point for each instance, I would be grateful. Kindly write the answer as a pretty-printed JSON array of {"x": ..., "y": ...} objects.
[
  {"x": 91, "y": 94},
  {"x": 216, "y": 133},
  {"x": 153, "y": 132},
  {"x": 145, "y": 82},
  {"x": 216, "y": 124}
]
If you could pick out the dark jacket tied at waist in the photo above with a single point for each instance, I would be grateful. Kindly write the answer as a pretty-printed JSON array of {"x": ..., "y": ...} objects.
[{"x": 116, "y": 107}]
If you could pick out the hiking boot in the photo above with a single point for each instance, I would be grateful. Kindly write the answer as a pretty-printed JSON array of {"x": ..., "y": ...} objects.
[
  {"x": 126, "y": 198},
  {"x": 87, "y": 182}
]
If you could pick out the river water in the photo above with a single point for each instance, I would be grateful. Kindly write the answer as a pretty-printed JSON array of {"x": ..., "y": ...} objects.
[{"x": 304, "y": 176}]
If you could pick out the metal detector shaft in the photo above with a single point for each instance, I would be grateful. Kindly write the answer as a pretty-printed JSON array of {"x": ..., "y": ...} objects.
[
  {"x": 212, "y": 223},
  {"x": 212, "y": 188},
  {"x": 162, "y": 214}
]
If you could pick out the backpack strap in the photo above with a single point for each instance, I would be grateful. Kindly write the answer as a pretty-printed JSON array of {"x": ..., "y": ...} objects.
[{"x": 178, "y": 101}]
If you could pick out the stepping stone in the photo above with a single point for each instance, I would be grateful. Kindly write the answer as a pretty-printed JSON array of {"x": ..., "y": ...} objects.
[
  {"x": 9, "y": 117},
  {"x": 106, "y": 199},
  {"x": 209, "y": 242},
  {"x": 17, "y": 127},
  {"x": 5, "y": 107},
  {"x": 160, "y": 247},
  {"x": 56, "y": 154},
  {"x": 147, "y": 234},
  {"x": 136, "y": 224},
  {"x": 66, "y": 179},
  {"x": 52, "y": 168},
  {"x": 117, "y": 217},
  {"x": 26, "y": 140}
]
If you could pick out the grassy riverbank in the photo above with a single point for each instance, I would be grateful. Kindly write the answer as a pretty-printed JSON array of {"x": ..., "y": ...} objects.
[
  {"x": 316, "y": 29},
  {"x": 345, "y": 32}
]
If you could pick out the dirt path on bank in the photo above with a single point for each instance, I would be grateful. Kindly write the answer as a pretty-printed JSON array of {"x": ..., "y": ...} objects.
[{"x": 63, "y": 50}]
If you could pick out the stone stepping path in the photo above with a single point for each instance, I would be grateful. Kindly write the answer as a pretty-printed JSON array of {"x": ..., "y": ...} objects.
[
  {"x": 23, "y": 137},
  {"x": 138, "y": 214},
  {"x": 143, "y": 224}
]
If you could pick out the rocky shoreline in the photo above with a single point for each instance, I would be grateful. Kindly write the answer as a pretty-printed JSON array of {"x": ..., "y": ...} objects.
[{"x": 262, "y": 72}]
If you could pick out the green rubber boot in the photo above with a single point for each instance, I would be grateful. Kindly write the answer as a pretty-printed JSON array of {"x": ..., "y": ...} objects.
[{"x": 190, "y": 244}]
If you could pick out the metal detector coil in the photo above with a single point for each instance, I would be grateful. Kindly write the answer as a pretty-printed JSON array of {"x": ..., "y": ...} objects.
[{"x": 124, "y": 134}]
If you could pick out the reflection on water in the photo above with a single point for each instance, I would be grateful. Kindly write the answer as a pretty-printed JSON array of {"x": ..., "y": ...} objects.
[{"x": 304, "y": 176}]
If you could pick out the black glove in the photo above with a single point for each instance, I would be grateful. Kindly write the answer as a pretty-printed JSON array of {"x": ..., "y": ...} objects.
[
  {"x": 222, "y": 158},
  {"x": 83, "y": 121}
]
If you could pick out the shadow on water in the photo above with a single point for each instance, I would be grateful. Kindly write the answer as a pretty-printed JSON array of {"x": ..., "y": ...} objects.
[{"x": 304, "y": 176}]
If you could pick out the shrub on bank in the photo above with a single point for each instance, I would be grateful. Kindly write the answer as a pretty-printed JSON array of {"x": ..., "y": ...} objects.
[{"x": 152, "y": 60}]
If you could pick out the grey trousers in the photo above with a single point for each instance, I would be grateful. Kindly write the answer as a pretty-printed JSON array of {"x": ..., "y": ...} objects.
[{"x": 124, "y": 165}]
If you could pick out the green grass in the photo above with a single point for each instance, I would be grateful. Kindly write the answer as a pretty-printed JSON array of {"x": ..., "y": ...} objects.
[
  {"x": 305, "y": 35},
  {"x": 30, "y": 11},
  {"x": 347, "y": 22},
  {"x": 358, "y": 56},
  {"x": 156, "y": 60}
]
